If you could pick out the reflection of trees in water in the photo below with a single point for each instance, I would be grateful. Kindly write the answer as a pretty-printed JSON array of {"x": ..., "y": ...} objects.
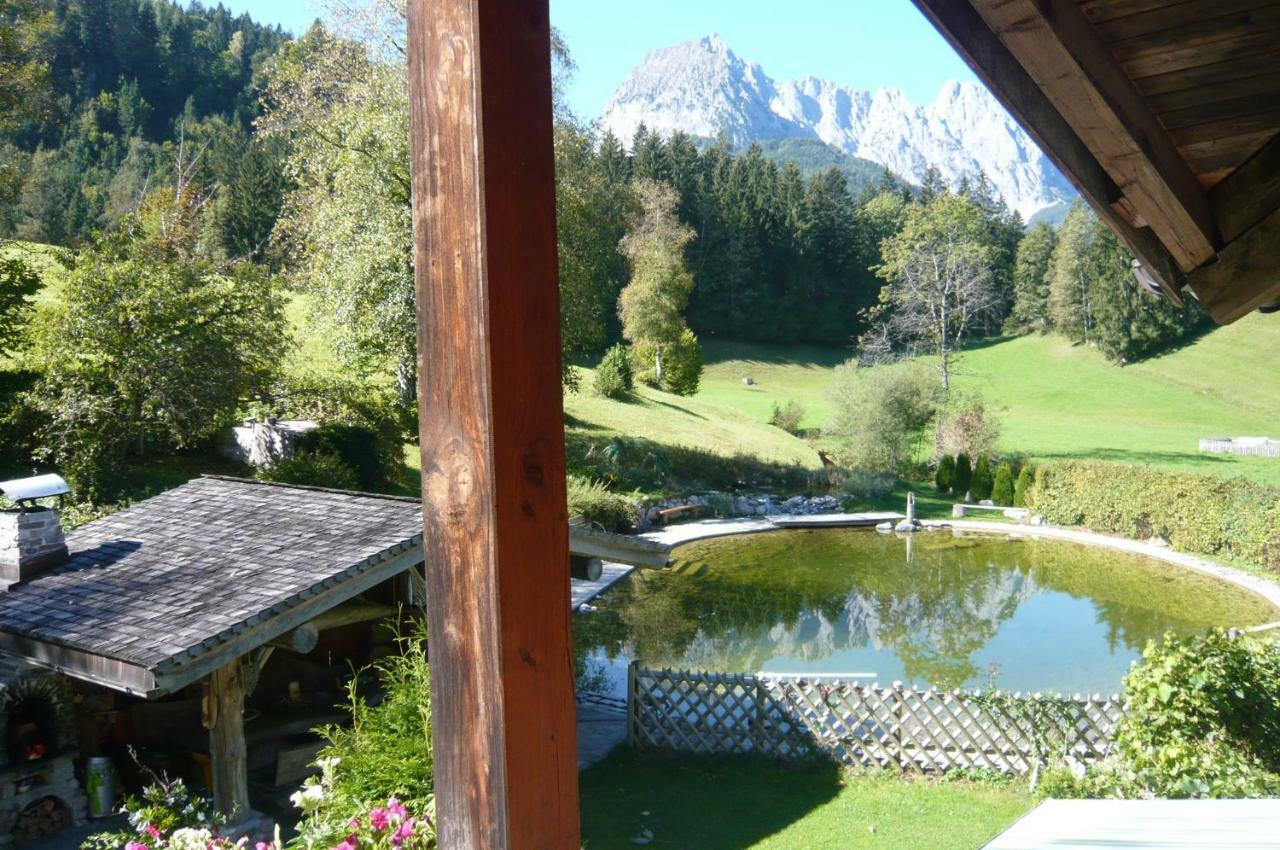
[{"x": 810, "y": 595}]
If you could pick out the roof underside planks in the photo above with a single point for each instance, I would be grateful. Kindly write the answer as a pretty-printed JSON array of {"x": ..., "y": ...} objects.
[{"x": 1162, "y": 112}]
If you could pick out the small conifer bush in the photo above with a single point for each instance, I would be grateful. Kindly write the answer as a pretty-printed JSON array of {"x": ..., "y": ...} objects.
[
  {"x": 964, "y": 474},
  {"x": 1002, "y": 488},
  {"x": 945, "y": 478},
  {"x": 613, "y": 375},
  {"x": 983, "y": 480}
]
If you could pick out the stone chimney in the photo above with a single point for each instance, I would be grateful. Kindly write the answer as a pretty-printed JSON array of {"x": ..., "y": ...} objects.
[{"x": 31, "y": 541}]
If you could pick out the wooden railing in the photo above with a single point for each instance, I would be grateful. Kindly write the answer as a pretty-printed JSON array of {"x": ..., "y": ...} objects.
[{"x": 796, "y": 717}]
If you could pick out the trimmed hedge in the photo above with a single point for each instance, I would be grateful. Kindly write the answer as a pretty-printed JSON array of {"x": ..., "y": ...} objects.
[{"x": 1195, "y": 513}]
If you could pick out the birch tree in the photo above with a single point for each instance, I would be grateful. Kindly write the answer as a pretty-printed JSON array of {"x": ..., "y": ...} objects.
[
  {"x": 939, "y": 284},
  {"x": 652, "y": 304}
]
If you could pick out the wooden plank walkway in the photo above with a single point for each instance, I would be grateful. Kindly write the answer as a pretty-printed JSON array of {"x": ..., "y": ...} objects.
[
  {"x": 582, "y": 591},
  {"x": 834, "y": 520},
  {"x": 1145, "y": 825}
]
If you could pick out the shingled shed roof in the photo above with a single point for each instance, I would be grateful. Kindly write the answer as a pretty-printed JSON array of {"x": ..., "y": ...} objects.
[{"x": 156, "y": 596}]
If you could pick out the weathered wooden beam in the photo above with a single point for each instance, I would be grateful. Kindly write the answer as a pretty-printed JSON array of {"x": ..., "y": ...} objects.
[
  {"x": 969, "y": 34},
  {"x": 301, "y": 640},
  {"x": 1245, "y": 276},
  {"x": 224, "y": 718},
  {"x": 1058, "y": 48},
  {"x": 491, "y": 424},
  {"x": 350, "y": 613},
  {"x": 1247, "y": 195}
]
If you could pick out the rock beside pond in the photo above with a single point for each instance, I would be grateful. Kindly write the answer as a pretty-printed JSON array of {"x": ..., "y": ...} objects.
[{"x": 740, "y": 505}]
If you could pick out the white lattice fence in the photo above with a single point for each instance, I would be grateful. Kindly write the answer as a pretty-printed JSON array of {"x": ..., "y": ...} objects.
[{"x": 797, "y": 717}]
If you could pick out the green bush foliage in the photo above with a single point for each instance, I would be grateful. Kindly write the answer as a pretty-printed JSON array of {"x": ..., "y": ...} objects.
[
  {"x": 313, "y": 469},
  {"x": 148, "y": 352},
  {"x": 1002, "y": 487},
  {"x": 613, "y": 377},
  {"x": 375, "y": 455},
  {"x": 983, "y": 480},
  {"x": 682, "y": 365},
  {"x": 1195, "y": 513},
  {"x": 945, "y": 476},
  {"x": 863, "y": 489},
  {"x": 1021, "y": 486},
  {"x": 964, "y": 474},
  {"x": 635, "y": 463},
  {"x": 384, "y": 752},
  {"x": 1203, "y": 718},
  {"x": 788, "y": 416},
  {"x": 880, "y": 415},
  {"x": 594, "y": 502}
]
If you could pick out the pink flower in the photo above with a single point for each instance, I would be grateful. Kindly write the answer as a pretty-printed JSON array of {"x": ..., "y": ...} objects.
[
  {"x": 351, "y": 842},
  {"x": 136, "y": 845},
  {"x": 153, "y": 830},
  {"x": 397, "y": 809},
  {"x": 378, "y": 819},
  {"x": 262, "y": 845},
  {"x": 404, "y": 833}
]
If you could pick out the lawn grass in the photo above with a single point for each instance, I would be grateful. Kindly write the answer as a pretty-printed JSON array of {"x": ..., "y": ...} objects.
[
  {"x": 1056, "y": 400},
  {"x": 734, "y": 804},
  {"x": 700, "y": 422}
]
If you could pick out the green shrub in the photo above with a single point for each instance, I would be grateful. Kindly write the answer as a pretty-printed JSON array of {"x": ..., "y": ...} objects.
[
  {"x": 983, "y": 480},
  {"x": 1195, "y": 513},
  {"x": 1203, "y": 718},
  {"x": 1021, "y": 487},
  {"x": 945, "y": 476},
  {"x": 384, "y": 752},
  {"x": 374, "y": 454},
  {"x": 613, "y": 377},
  {"x": 865, "y": 488},
  {"x": 636, "y": 463},
  {"x": 593, "y": 502},
  {"x": 964, "y": 474},
  {"x": 880, "y": 415},
  {"x": 788, "y": 417},
  {"x": 1002, "y": 488},
  {"x": 682, "y": 365},
  {"x": 318, "y": 469}
]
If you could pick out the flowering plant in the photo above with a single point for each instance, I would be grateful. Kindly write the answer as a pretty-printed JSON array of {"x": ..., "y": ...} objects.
[
  {"x": 167, "y": 817},
  {"x": 380, "y": 827}
]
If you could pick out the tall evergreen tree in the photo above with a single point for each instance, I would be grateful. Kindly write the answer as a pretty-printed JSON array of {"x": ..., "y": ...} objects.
[
  {"x": 1071, "y": 298},
  {"x": 1031, "y": 279}
]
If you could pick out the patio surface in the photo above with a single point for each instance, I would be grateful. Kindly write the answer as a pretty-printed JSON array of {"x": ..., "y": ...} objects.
[{"x": 1145, "y": 825}]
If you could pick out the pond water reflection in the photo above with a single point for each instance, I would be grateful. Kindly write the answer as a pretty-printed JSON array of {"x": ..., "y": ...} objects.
[{"x": 939, "y": 609}]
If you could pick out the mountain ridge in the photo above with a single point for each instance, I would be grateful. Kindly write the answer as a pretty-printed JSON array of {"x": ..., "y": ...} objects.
[{"x": 703, "y": 88}]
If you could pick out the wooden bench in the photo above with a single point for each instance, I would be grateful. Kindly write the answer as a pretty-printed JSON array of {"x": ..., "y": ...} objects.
[
  {"x": 665, "y": 515},
  {"x": 1020, "y": 514}
]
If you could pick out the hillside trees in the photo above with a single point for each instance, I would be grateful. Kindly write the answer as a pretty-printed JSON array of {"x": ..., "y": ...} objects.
[
  {"x": 346, "y": 223},
  {"x": 1031, "y": 279},
  {"x": 940, "y": 287},
  {"x": 148, "y": 351},
  {"x": 1071, "y": 304},
  {"x": 652, "y": 304},
  {"x": 881, "y": 415}
]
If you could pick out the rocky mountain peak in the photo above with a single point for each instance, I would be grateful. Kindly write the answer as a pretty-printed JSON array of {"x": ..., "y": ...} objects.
[{"x": 703, "y": 88}]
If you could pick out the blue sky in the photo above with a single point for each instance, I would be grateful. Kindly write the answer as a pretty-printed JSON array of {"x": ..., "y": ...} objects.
[{"x": 862, "y": 43}]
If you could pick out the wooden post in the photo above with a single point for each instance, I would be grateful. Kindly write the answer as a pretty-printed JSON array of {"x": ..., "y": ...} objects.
[
  {"x": 492, "y": 424},
  {"x": 224, "y": 718}
]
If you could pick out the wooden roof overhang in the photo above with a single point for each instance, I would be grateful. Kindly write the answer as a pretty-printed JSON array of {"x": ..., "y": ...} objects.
[{"x": 1165, "y": 114}]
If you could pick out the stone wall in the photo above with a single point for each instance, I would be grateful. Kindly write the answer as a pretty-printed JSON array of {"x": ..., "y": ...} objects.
[{"x": 715, "y": 504}]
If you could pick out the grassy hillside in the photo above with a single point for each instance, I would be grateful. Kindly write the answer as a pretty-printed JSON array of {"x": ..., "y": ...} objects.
[
  {"x": 1057, "y": 400},
  {"x": 700, "y": 422}
]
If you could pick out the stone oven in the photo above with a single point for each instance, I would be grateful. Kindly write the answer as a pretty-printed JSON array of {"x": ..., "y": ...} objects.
[{"x": 39, "y": 793}]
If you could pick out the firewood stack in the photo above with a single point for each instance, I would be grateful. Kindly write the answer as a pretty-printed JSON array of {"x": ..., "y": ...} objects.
[{"x": 41, "y": 818}]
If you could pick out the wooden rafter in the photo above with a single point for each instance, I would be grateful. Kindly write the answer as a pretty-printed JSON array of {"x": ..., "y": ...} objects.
[
  {"x": 492, "y": 428},
  {"x": 1059, "y": 49},
  {"x": 1003, "y": 74}
]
